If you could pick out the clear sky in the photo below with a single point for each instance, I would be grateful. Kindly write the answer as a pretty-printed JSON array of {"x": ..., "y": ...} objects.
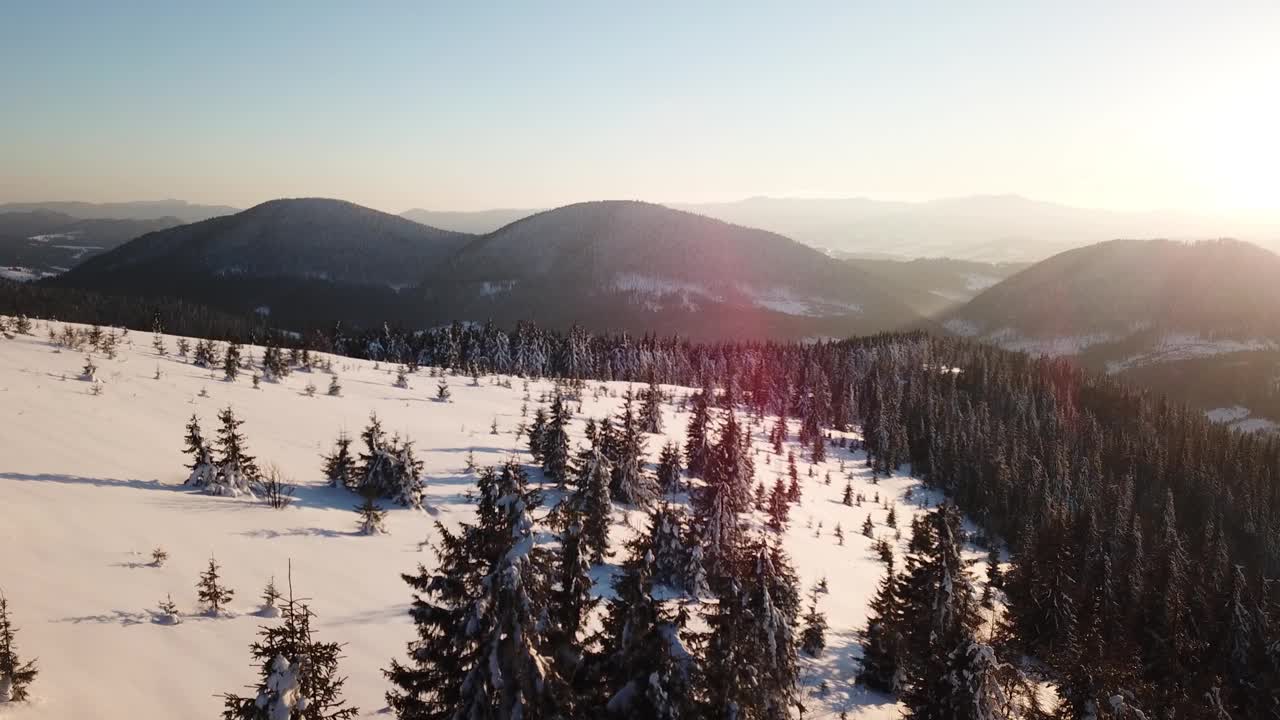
[{"x": 1126, "y": 104}]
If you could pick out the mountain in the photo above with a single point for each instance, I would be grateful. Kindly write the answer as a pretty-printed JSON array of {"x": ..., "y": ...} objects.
[
  {"x": 640, "y": 266},
  {"x": 622, "y": 265},
  {"x": 477, "y": 222},
  {"x": 931, "y": 286},
  {"x": 184, "y": 211},
  {"x": 1197, "y": 321},
  {"x": 36, "y": 243},
  {"x": 301, "y": 260},
  {"x": 991, "y": 228}
]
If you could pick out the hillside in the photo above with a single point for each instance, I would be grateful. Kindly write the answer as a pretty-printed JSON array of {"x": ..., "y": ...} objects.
[
  {"x": 643, "y": 266},
  {"x": 1199, "y": 322},
  {"x": 932, "y": 286},
  {"x": 619, "y": 265},
  {"x": 37, "y": 243},
  {"x": 302, "y": 261},
  {"x": 84, "y": 595}
]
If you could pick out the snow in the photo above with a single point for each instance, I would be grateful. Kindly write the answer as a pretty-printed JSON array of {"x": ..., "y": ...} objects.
[
  {"x": 1238, "y": 417},
  {"x": 20, "y": 274},
  {"x": 963, "y": 328},
  {"x": 1056, "y": 346},
  {"x": 789, "y": 302},
  {"x": 89, "y": 484},
  {"x": 977, "y": 282},
  {"x": 1183, "y": 346}
]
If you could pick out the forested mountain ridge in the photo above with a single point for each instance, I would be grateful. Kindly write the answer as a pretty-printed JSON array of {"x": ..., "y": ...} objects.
[
  {"x": 621, "y": 265},
  {"x": 316, "y": 238},
  {"x": 1197, "y": 321},
  {"x": 45, "y": 242}
]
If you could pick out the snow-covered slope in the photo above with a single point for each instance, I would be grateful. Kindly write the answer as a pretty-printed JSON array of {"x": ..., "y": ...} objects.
[{"x": 90, "y": 483}]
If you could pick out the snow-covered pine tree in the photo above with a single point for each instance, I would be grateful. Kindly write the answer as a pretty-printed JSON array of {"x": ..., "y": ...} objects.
[
  {"x": 442, "y": 390},
  {"x": 536, "y": 432},
  {"x": 89, "y": 372},
  {"x": 402, "y": 378},
  {"x": 335, "y": 388},
  {"x": 204, "y": 354},
  {"x": 158, "y": 556},
  {"x": 167, "y": 612},
  {"x": 204, "y": 471},
  {"x": 730, "y": 465},
  {"x": 213, "y": 595},
  {"x": 778, "y": 506},
  {"x": 237, "y": 472},
  {"x": 883, "y": 644},
  {"x": 750, "y": 661},
  {"x": 388, "y": 468},
  {"x": 371, "y": 518},
  {"x": 231, "y": 361},
  {"x": 847, "y": 497},
  {"x": 572, "y": 599},
  {"x": 555, "y": 443},
  {"x": 184, "y": 347},
  {"x": 340, "y": 466},
  {"x": 651, "y": 409},
  {"x": 592, "y": 505},
  {"x": 15, "y": 676},
  {"x": 270, "y": 599},
  {"x": 647, "y": 670},
  {"x": 274, "y": 366},
  {"x": 697, "y": 447},
  {"x": 482, "y": 648},
  {"x": 669, "y": 469},
  {"x": 630, "y": 482},
  {"x": 940, "y": 614},
  {"x": 813, "y": 638},
  {"x": 299, "y": 674}
]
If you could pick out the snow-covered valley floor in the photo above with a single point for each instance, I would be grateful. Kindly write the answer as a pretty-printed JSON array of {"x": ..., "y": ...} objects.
[{"x": 90, "y": 483}]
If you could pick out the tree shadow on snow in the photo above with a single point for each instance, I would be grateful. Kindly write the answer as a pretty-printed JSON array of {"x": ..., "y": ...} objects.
[
  {"x": 99, "y": 482},
  {"x": 269, "y": 534},
  {"x": 122, "y": 617}
]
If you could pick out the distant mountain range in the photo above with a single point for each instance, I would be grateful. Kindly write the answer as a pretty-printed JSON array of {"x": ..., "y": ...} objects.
[
  {"x": 617, "y": 265},
  {"x": 36, "y": 243},
  {"x": 986, "y": 228},
  {"x": 1196, "y": 321},
  {"x": 140, "y": 210}
]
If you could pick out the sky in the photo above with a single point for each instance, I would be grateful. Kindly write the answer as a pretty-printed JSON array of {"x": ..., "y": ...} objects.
[{"x": 1130, "y": 105}]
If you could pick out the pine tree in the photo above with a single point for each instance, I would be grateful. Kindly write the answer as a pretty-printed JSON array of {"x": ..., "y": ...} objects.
[
  {"x": 203, "y": 470},
  {"x": 231, "y": 361},
  {"x": 669, "y": 469},
  {"x": 646, "y": 667},
  {"x": 167, "y": 612},
  {"x": 402, "y": 378},
  {"x": 592, "y": 504},
  {"x": 237, "y": 472},
  {"x": 696, "y": 447},
  {"x": 813, "y": 638},
  {"x": 555, "y": 443},
  {"x": 213, "y": 595},
  {"x": 750, "y": 663},
  {"x": 651, "y": 410},
  {"x": 572, "y": 599},
  {"x": 388, "y": 467},
  {"x": 15, "y": 676},
  {"x": 335, "y": 388},
  {"x": 299, "y": 674},
  {"x": 630, "y": 483},
  {"x": 847, "y": 497},
  {"x": 536, "y": 432},
  {"x": 159, "y": 556},
  {"x": 482, "y": 646},
  {"x": 778, "y": 506},
  {"x": 372, "y": 519},
  {"x": 270, "y": 599},
  {"x": 940, "y": 614},
  {"x": 883, "y": 644},
  {"x": 442, "y": 390},
  {"x": 340, "y": 466}
]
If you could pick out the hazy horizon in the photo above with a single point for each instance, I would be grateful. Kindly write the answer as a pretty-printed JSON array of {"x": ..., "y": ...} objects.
[{"x": 1143, "y": 107}]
